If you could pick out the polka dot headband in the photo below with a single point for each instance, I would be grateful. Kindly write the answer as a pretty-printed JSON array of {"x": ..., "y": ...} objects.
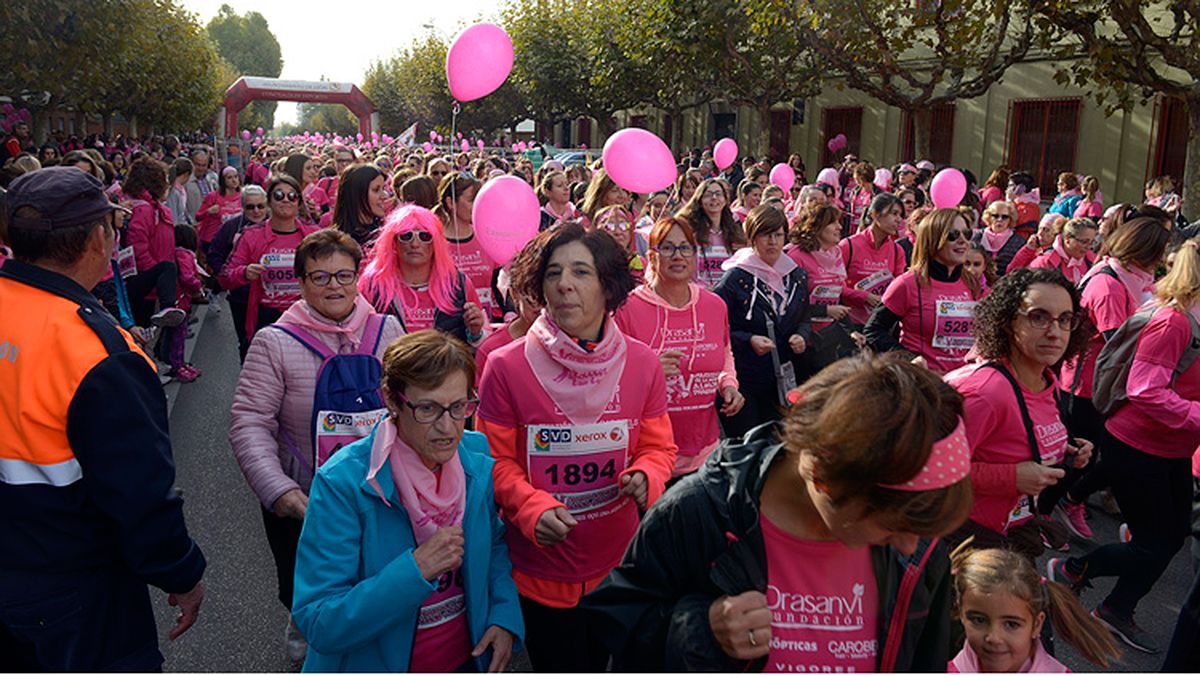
[{"x": 949, "y": 462}]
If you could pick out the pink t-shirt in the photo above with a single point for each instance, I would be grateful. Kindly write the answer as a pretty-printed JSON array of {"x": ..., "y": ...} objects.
[
  {"x": 495, "y": 340},
  {"x": 443, "y": 642},
  {"x": 700, "y": 331},
  {"x": 991, "y": 194},
  {"x": 869, "y": 269},
  {"x": 935, "y": 319},
  {"x": 1161, "y": 419},
  {"x": 824, "y": 612},
  {"x": 825, "y": 284},
  {"x": 579, "y": 465},
  {"x": 1108, "y": 305},
  {"x": 470, "y": 259},
  {"x": 999, "y": 442},
  {"x": 418, "y": 314},
  {"x": 709, "y": 260}
]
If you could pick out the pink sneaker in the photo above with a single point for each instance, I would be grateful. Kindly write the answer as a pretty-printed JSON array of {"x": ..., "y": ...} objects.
[{"x": 1074, "y": 517}]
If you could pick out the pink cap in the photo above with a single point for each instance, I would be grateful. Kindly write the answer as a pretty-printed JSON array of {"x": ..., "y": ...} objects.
[
  {"x": 907, "y": 167},
  {"x": 949, "y": 462},
  {"x": 926, "y": 164}
]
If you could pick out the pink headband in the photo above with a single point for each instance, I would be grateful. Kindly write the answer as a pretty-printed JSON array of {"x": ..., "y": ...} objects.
[{"x": 949, "y": 462}]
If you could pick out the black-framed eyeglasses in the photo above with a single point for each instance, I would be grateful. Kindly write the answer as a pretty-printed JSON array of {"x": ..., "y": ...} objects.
[
  {"x": 322, "y": 278},
  {"x": 422, "y": 236},
  {"x": 281, "y": 196},
  {"x": 669, "y": 250},
  {"x": 1040, "y": 319},
  {"x": 954, "y": 235},
  {"x": 428, "y": 412},
  {"x": 254, "y": 207}
]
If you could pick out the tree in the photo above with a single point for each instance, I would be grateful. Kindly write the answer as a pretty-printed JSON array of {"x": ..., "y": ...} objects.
[
  {"x": 915, "y": 55},
  {"x": 1133, "y": 50},
  {"x": 327, "y": 117},
  {"x": 247, "y": 43},
  {"x": 548, "y": 68}
]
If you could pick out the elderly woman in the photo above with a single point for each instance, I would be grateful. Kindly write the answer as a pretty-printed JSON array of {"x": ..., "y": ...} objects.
[
  {"x": 402, "y": 564},
  {"x": 278, "y": 419},
  {"x": 254, "y": 212},
  {"x": 998, "y": 237},
  {"x": 576, "y": 416}
]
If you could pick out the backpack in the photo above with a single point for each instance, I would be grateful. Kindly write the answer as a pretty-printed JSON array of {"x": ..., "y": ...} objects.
[
  {"x": 1116, "y": 359},
  {"x": 347, "y": 400}
]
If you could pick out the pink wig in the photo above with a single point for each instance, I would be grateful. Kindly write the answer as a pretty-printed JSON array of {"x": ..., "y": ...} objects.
[{"x": 382, "y": 282}]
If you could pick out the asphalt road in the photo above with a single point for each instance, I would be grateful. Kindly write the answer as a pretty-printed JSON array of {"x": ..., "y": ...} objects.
[{"x": 242, "y": 624}]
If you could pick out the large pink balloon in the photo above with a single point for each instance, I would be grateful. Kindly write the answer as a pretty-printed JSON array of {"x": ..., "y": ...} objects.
[
  {"x": 478, "y": 61},
  {"x": 639, "y": 161},
  {"x": 466, "y": 145},
  {"x": 783, "y": 175},
  {"x": 948, "y": 188},
  {"x": 506, "y": 216},
  {"x": 725, "y": 153}
]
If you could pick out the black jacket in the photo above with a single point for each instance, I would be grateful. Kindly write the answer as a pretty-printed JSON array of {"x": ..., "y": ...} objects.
[
  {"x": 702, "y": 540},
  {"x": 221, "y": 247},
  {"x": 747, "y": 299},
  {"x": 1003, "y": 258}
]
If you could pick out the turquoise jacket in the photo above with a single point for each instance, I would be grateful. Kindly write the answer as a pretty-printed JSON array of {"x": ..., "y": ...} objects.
[{"x": 358, "y": 588}]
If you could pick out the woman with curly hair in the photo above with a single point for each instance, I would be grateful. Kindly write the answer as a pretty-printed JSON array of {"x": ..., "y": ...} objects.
[{"x": 1023, "y": 330}]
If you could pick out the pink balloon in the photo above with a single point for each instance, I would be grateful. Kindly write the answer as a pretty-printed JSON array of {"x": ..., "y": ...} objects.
[
  {"x": 514, "y": 148},
  {"x": 460, "y": 135},
  {"x": 479, "y": 61},
  {"x": 440, "y": 138},
  {"x": 480, "y": 144},
  {"x": 466, "y": 146},
  {"x": 506, "y": 216},
  {"x": 433, "y": 135},
  {"x": 583, "y": 146},
  {"x": 639, "y": 161},
  {"x": 246, "y": 134},
  {"x": 828, "y": 176},
  {"x": 359, "y": 136},
  {"x": 427, "y": 146},
  {"x": 725, "y": 153},
  {"x": 520, "y": 146},
  {"x": 783, "y": 176},
  {"x": 883, "y": 179},
  {"x": 948, "y": 188},
  {"x": 259, "y": 131}
]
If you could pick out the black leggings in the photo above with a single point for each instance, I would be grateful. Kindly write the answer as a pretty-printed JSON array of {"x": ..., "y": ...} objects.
[
  {"x": 163, "y": 278},
  {"x": 283, "y": 536},
  {"x": 1155, "y": 496},
  {"x": 562, "y": 640}
]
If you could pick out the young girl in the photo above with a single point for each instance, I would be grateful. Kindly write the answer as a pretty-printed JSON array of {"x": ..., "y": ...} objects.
[
  {"x": 175, "y": 338},
  {"x": 1002, "y": 603},
  {"x": 980, "y": 263}
]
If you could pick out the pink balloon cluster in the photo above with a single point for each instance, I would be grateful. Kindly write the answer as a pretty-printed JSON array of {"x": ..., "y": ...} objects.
[{"x": 837, "y": 143}]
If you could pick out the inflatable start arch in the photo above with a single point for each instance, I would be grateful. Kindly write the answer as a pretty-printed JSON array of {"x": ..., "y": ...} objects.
[{"x": 248, "y": 89}]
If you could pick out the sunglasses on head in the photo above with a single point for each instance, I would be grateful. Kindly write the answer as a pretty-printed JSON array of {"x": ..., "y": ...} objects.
[
  {"x": 281, "y": 196},
  {"x": 422, "y": 236}
]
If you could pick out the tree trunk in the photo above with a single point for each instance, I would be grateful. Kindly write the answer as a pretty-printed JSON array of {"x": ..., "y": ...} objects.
[
  {"x": 922, "y": 129},
  {"x": 41, "y": 124},
  {"x": 132, "y": 131},
  {"x": 676, "y": 130},
  {"x": 108, "y": 124},
  {"x": 763, "y": 142},
  {"x": 1191, "y": 166},
  {"x": 81, "y": 125}
]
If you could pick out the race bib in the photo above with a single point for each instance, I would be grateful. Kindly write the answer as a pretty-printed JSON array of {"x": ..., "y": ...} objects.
[
  {"x": 446, "y": 603},
  {"x": 126, "y": 262},
  {"x": 279, "y": 275},
  {"x": 1022, "y": 512},
  {"x": 337, "y": 429},
  {"x": 825, "y": 295},
  {"x": 952, "y": 324},
  {"x": 578, "y": 465},
  {"x": 876, "y": 283}
]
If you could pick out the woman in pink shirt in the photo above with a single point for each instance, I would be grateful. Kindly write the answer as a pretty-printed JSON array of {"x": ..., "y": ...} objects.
[
  {"x": 717, "y": 232},
  {"x": 872, "y": 257},
  {"x": 858, "y": 197},
  {"x": 1019, "y": 444},
  {"x": 688, "y": 327},
  {"x": 1071, "y": 252},
  {"x": 218, "y": 206},
  {"x": 1092, "y": 204},
  {"x": 456, "y": 200},
  {"x": 815, "y": 236},
  {"x": 1148, "y": 456},
  {"x": 933, "y": 303},
  {"x": 994, "y": 186}
]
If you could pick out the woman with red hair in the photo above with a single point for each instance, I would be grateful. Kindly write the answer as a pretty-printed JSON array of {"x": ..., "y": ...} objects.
[{"x": 411, "y": 276}]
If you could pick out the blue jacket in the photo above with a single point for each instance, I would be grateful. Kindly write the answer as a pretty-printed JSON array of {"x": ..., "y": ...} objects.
[{"x": 358, "y": 588}]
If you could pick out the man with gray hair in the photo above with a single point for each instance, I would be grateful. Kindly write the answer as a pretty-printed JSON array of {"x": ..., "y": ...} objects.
[
  {"x": 254, "y": 212},
  {"x": 202, "y": 182}
]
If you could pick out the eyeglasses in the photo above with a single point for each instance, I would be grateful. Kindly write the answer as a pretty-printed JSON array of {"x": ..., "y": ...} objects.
[
  {"x": 254, "y": 207},
  {"x": 428, "y": 412},
  {"x": 407, "y": 237},
  {"x": 1040, "y": 319},
  {"x": 954, "y": 235},
  {"x": 1000, "y": 216},
  {"x": 1086, "y": 243},
  {"x": 669, "y": 250},
  {"x": 909, "y": 202},
  {"x": 322, "y": 278},
  {"x": 281, "y": 196},
  {"x": 714, "y": 193}
]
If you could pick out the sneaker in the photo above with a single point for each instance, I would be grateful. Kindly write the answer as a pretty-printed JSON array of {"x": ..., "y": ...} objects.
[
  {"x": 1109, "y": 504},
  {"x": 185, "y": 373},
  {"x": 169, "y": 317},
  {"x": 1123, "y": 534},
  {"x": 1056, "y": 571},
  {"x": 1126, "y": 629},
  {"x": 1074, "y": 518},
  {"x": 1054, "y": 535},
  {"x": 294, "y": 643}
]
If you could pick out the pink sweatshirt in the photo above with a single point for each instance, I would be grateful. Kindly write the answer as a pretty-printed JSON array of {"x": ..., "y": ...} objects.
[
  {"x": 869, "y": 270},
  {"x": 151, "y": 233},
  {"x": 1108, "y": 305},
  {"x": 1161, "y": 418},
  {"x": 998, "y": 439},
  {"x": 189, "y": 277},
  {"x": 495, "y": 340},
  {"x": 1054, "y": 260},
  {"x": 700, "y": 331},
  {"x": 826, "y": 283},
  {"x": 207, "y": 223}
]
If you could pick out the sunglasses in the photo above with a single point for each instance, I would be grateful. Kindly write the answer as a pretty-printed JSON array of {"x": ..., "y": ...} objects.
[
  {"x": 1000, "y": 216},
  {"x": 954, "y": 235},
  {"x": 254, "y": 207},
  {"x": 281, "y": 196},
  {"x": 407, "y": 237}
]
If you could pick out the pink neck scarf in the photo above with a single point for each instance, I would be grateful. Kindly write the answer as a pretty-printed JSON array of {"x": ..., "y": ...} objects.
[
  {"x": 771, "y": 275},
  {"x": 830, "y": 261},
  {"x": 349, "y": 330},
  {"x": 1074, "y": 268},
  {"x": 994, "y": 241},
  {"x": 431, "y": 503},
  {"x": 580, "y": 383},
  {"x": 967, "y": 661},
  {"x": 1139, "y": 284}
]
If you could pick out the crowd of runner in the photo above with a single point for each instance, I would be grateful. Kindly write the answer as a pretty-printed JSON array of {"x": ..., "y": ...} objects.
[{"x": 725, "y": 426}]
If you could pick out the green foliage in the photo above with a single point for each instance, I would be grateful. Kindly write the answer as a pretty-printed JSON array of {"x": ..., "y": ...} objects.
[
  {"x": 328, "y": 118},
  {"x": 248, "y": 45}
]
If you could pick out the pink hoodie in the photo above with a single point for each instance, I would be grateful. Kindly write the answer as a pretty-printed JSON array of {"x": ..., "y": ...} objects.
[
  {"x": 967, "y": 661},
  {"x": 700, "y": 330},
  {"x": 869, "y": 270},
  {"x": 151, "y": 233}
]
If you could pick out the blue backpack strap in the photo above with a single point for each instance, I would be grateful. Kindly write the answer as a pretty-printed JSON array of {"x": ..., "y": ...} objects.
[
  {"x": 305, "y": 338},
  {"x": 374, "y": 326}
]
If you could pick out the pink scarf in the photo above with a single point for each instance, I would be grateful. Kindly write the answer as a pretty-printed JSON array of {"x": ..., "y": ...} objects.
[
  {"x": 771, "y": 275},
  {"x": 830, "y": 261},
  {"x": 581, "y": 383},
  {"x": 1139, "y": 284},
  {"x": 431, "y": 503},
  {"x": 349, "y": 331},
  {"x": 568, "y": 213},
  {"x": 994, "y": 241},
  {"x": 967, "y": 661},
  {"x": 1074, "y": 268}
]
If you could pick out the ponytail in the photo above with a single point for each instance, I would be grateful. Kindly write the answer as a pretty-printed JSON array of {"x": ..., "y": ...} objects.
[
  {"x": 1079, "y": 628},
  {"x": 1090, "y": 187}
]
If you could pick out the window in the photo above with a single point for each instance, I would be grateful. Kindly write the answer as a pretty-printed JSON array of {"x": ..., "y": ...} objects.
[
  {"x": 669, "y": 130},
  {"x": 585, "y": 131},
  {"x": 941, "y": 138},
  {"x": 1170, "y": 145},
  {"x": 1043, "y": 136},
  {"x": 781, "y": 135},
  {"x": 836, "y": 121},
  {"x": 638, "y": 121},
  {"x": 724, "y": 125}
]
